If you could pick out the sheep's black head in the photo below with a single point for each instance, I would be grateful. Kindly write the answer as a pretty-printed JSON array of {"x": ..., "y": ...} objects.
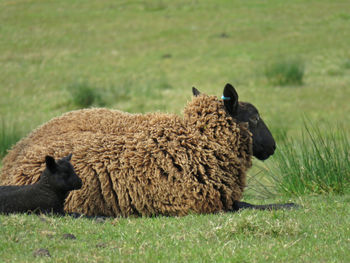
[
  {"x": 263, "y": 143},
  {"x": 61, "y": 174}
]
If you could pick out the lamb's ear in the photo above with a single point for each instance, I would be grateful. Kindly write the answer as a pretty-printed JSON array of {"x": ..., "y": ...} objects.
[
  {"x": 195, "y": 92},
  {"x": 68, "y": 157},
  {"x": 230, "y": 98},
  {"x": 50, "y": 163}
]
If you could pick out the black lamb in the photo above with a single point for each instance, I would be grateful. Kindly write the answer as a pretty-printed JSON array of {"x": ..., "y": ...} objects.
[{"x": 45, "y": 196}]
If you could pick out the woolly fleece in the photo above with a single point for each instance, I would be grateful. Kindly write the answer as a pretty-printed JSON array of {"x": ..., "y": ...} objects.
[{"x": 142, "y": 164}]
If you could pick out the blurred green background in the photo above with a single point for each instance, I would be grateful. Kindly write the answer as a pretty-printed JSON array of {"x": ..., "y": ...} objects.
[{"x": 142, "y": 56}]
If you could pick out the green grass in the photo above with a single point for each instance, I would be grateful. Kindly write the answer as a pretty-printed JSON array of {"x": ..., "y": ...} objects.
[
  {"x": 130, "y": 93},
  {"x": 10, "y": 133},
  {"x": 346, "y": 64},
  {"x": 84, "y": 95},
  {"x": 318, "y": 163},
  {"x": 142, "y": 56},
  {"x": 285, "y": 72},
  {"x": 46, "y": 46},
  {"x": 318, "y": 232}
]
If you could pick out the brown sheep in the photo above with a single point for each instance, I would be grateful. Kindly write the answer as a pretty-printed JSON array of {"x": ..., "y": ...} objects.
[{"x": 151, "y": 164}]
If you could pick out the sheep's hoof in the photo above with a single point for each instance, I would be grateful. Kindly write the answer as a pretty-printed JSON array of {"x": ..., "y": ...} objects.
[{"x": 69, "y": 236}]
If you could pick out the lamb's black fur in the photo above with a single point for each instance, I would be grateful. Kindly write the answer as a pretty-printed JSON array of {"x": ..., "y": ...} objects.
[{"x": 45, "y": 196}]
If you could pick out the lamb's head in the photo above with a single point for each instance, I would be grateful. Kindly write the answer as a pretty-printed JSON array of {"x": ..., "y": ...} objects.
[
  {"x": 263, "y": 143},
  {"x": 61, "y": 175}
]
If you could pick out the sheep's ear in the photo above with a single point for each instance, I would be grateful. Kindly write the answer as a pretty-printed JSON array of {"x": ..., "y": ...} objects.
[
  {"x": 50, "y": 163},
  {"x": 230, "y": 98},
  {"x": 195, "y": 92}
]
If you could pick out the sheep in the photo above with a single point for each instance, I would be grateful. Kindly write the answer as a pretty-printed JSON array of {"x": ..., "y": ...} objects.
[
  {"x": 45, "y": 196},
  {"x": 155, "y": 163}
]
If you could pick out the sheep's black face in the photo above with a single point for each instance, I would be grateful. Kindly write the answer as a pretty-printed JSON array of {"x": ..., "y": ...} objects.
[
  {"x": 63, "y": 176},
  {"x": 263, "y": 143}
]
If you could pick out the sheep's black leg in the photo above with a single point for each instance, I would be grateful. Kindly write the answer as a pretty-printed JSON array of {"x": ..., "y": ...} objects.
[
  {"x": 77, "y": 215},
  {"x": 243, "y": 205}
]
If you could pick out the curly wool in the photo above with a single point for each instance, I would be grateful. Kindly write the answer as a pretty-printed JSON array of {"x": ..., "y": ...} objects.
[{"x": 142, "y": 164}]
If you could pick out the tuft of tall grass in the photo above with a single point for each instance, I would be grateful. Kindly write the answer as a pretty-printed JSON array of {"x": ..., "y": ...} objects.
[
  {"x": 346, "y": 64},
  {"x": 154, "y": 6},
  {"x": 84, "y": 95},
  {"x": 10, "y": 133},
  {"x": 133, "y": 96},
  {"x": 146, "y": 96},
  {"x": 318, "y": 164},
  {"x": 285, "y": 72}
]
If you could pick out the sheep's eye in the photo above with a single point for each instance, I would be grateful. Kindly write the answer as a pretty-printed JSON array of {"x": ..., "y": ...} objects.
[{"x": 64, "y": 175}]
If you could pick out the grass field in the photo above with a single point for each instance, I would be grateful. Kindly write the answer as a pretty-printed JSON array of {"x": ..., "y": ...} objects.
[
  {"x": 319, "y": 232},
  {"x": 141, "y": 56}
]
